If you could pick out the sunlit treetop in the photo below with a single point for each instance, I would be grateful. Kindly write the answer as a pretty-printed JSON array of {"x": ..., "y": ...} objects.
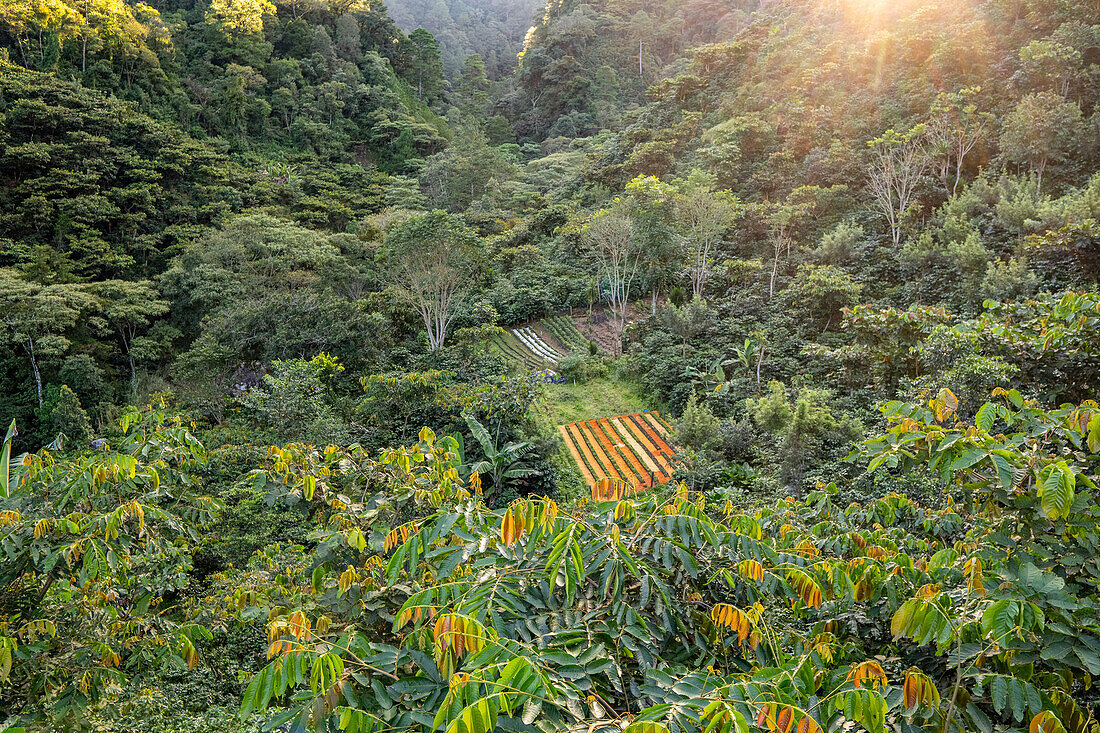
[{"x": 239, "y": 17}]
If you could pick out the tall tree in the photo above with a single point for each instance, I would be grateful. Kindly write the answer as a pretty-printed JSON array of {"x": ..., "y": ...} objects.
[
  {"x": 955, "y": 129},
  {"x": 425, "y": 67},
  {"x": 898, "y": 162},
  {"x": 652, "y": 212},
  {"x": 43, "y": 20},
  {"x": 472, "y": 88},
  {"x": 239, "y": 17},
  {"x": 429, "y": 260},
  {"x": 618, "y": 257},
  {"x": 130, "y": 307},
  {"x": 1041, "y": 130},
  {"x": 39, "y": 318},
  {"x": 704, "y": 215}
]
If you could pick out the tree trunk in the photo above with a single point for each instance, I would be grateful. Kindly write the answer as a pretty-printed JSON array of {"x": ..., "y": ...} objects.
[
  {"x": 759, "y": 361},
  {"x": 37, "y": 373},
  {"x": 775, "y": 269},
  {"x": 133, "y": 373}
]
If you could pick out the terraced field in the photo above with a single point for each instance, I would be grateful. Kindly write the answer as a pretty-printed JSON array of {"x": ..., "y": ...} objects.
[
  {"x": 565, "y": 330},
  {"x": 633, "y": 448},
  {"x": 525, "y": 346}
]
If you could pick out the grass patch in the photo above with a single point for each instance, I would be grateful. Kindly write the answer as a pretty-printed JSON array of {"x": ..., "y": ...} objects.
[{"x": 605, "y": 397}]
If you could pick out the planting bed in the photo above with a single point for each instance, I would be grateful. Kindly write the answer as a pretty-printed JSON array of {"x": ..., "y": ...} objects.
[
  {"x": 528, "y": 348},
  {"x": 565, "y": 330},
  {"x": 632, "y": 448}
]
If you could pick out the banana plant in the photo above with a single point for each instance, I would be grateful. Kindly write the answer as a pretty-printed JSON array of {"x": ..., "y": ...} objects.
[
  {"x": 5, "y": 462},
  {"x": 714, "y": 378},
  {"x": 501, "y": 464}
]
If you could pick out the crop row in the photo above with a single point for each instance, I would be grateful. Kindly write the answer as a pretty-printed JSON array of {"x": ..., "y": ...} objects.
[
  {"x": 507, "y": 344},
  {"x": 565, "y": 330},
  {"x": 534, "y": 343},
  {"x": 526, "y": 347},
  {"x": 632, "y": 448}
]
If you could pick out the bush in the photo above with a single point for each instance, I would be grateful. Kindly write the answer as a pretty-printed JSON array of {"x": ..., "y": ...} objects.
[
  {"x": 62, "y": 414},
  {"x": 296, "y": 401},
  {"x": 698, "y": 428},
  {"x": 580, "y": 367}
]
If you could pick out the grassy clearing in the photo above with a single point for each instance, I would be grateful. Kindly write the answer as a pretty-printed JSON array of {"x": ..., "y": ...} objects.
[{"x": 566, "y": 403}]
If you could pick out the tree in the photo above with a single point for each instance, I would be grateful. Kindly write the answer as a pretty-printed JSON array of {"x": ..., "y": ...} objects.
[
  {"x": 1040, "y": 130},
  {"x": 783, "y": 219},
  {"x": 1018, "y": 471},
  {"x": 239, "y": 17},
  {"x": 651, "y": 211},
  {"x": 41, "y": 18},
  {"x": 818, "y": 294},
  {"x": 348, "y": 38},
  {"x": 425, "y": 66},
  {"x": 93, "y": 546},
  {"x": 472, "y": 88},
  {"x": 955, "y": 129},
  {"x": 687, "y": 321},
  {"x": 63, "y": 415},
  {"x": 1052, "y": 64},
  {"x": 429, "y": 259},
  {"x": 111, "y": 24},
  {"x": 618, "y": 258},
  {"x": 898, "y": 162},
  {"x": 295, "y": 400},
  {"x": 704, "y": 215},
  {"x": 129, "y": 307},
  {"x": 469, "y": 166},
  {"x": 799, "y": 424},
  {"x": 40, "y": 317}
]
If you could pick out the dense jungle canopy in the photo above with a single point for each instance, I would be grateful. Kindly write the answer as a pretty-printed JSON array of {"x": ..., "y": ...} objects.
[{"x": 682, "y": 366}]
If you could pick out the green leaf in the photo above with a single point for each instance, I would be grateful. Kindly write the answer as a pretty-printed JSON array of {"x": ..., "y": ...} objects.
[
  {"x": 1088, "y": 658},
  {"x": 1093, "y": 440},
  {"x": 1004, "y": 471},
  {"x": 1056, "y": 484},
  {"x": 865, "y": 707},
  {"x": 1017, "y": 699},
  {"x": 998, "y": 690},
  {"x": 987, "y": 413},
  {"x": 1000, "y": 618},
  {"x": 967, "y": 458},
  {"x": 5, "y": 462}
]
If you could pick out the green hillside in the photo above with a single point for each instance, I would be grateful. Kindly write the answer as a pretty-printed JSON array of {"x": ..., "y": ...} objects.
[{"x": 322, "y": 328}]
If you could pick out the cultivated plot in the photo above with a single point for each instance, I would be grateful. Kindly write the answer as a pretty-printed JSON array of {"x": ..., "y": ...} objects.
[
  {"x": 632, "y": 448},
  {"x": 528, "y": 348}
]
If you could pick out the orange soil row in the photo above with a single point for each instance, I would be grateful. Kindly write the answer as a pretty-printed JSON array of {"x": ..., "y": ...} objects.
[
  {"x": 593, "y": 429},
  {"x": 578, "y": 440},
  {"x": 640, "y": 471},
  {"x": 626, "y": 447},
  {"x": 660, "y": 448},
  {"x": 601, "y": 460},
  {"x": 657, "y": 423},
  {"x": 643, "y": 454},
  {"x": 589, "y": 479}
]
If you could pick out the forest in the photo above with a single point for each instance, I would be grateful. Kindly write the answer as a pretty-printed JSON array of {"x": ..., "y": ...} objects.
[{"x": 608, "y": 366}]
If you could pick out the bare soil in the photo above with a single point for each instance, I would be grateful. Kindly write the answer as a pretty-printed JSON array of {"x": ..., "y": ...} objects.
[{"x": 599, "y": 326}]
